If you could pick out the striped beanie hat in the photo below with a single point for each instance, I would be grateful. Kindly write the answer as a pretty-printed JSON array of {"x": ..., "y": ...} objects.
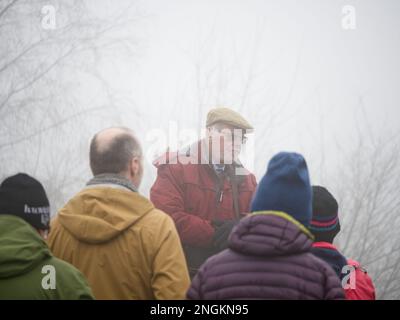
[{"x": 325, "y": 223}]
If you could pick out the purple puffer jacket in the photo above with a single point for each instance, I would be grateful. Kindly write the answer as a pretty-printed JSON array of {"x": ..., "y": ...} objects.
[{"x": 268, "y": 258}]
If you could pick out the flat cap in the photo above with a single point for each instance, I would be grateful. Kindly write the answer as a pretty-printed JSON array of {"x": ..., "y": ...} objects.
[{"x": 228, "y": 116}]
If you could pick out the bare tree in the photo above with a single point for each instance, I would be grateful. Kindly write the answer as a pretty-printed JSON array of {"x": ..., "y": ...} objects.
[
  {"x": 42, "y": 71},
  {"x": 368, "y": 193}
]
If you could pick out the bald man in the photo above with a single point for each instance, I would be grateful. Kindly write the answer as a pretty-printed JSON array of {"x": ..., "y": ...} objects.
[{"x": 126, "y": 248}]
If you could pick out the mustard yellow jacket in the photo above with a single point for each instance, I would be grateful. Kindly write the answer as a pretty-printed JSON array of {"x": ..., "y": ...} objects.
[{"x": 125, "y": 247}]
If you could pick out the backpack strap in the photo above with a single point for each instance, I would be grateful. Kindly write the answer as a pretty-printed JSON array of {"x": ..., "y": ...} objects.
[{"x": 235, "y": 191}]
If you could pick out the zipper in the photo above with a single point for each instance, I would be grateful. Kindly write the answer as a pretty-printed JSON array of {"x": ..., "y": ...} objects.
[
  {"x": 220, "y": 191},
  {"x": 221, "y": 196}
]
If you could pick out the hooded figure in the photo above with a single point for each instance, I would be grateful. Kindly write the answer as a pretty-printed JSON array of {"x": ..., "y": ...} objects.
[
  {"x": 269, "y": 251},
  {"x": 126, "y": 248},
  {"x": 27, "y": 268}
]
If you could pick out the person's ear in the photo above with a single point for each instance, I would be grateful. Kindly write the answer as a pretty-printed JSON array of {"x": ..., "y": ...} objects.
[
  {"x": 136, "y": 171},
  {"x": 135, "y": 167}
]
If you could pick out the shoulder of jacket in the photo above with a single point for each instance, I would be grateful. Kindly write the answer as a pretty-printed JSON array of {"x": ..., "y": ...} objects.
[
  {"x": 171, "y": 157},
  {"x": 190, "y": 154},
  {"x": 155, "y": 228},
  {"x": 64, "y": 268},
  {"x": 318, "y": 264},
  {"x": 157, "y": 221},
  {"x": 165, "y": 158},
  {"x": 72, "y": 281}
]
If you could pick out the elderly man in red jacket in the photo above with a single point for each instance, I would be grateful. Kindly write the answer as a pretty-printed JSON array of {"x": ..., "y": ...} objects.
[{"x": 205, "y": 188}]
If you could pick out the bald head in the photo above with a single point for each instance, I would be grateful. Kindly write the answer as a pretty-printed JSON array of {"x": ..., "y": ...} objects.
[{"x": 112, "y": 149}]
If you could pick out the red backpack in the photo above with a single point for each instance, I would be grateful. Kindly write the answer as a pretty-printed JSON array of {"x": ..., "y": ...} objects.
[{"x": 364, "y": 288}]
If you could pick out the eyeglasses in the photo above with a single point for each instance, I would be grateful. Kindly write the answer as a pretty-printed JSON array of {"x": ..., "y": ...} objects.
[{"x": 236, "y": 135}]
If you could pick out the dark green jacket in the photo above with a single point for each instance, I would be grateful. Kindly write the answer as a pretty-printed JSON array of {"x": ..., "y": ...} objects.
[{"x": 24, "y": 261}]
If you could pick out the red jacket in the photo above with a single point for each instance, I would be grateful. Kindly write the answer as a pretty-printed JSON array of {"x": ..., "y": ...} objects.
[
  {"x": 364, "y": 288},
  {"x": 194, "y": 196}
]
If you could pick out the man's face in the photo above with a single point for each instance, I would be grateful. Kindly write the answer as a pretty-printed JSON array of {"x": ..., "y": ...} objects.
[{"x": 226, "y": 142}]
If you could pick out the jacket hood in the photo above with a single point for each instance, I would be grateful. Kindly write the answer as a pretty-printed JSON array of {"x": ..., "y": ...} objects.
[
  {"x": 270, "y": 233},
  {"x": 98, "y": 214},
  {"x": 21, "y": 247}
]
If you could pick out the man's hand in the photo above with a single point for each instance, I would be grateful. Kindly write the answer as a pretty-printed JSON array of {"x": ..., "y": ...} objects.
[{"x": 222, "y": 232}]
